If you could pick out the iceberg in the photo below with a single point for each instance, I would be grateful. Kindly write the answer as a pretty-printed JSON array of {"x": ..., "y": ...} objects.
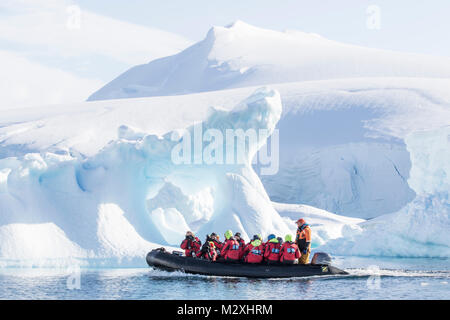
[
  {"x": 111, "y": 208},
  {"x": 420, "y": 229}
]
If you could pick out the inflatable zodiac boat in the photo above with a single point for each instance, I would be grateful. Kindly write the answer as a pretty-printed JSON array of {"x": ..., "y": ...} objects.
[{"x": 161, "y": 259}]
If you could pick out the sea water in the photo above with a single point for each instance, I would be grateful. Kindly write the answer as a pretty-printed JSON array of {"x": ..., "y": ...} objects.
[{"x": 369, "y": 278}]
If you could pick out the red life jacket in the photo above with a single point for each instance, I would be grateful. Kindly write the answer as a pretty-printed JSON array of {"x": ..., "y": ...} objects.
[
  {"x": 213, "y": 255},
  {"x": 241, "y": 247},
  {"x": 218, "y": 244},
  {"x": 191, "y": 246},
  {"x": 231, "y": 250},
  {"x": 255, "y": 254},
  {"x": 289, "y": 252},
  {"x": 272, "y": 251}
]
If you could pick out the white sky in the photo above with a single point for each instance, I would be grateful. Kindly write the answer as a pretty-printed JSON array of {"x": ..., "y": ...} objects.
[
  {"x": 406, "y": 25},
  {"x": 48, "y": 45},
  {"x": 53, "y": 52}
]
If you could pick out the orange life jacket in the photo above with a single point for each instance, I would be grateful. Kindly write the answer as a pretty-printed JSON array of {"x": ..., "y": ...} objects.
[{"x": 303, "y": 237}]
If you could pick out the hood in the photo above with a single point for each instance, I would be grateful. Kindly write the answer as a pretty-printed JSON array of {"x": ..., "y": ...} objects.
[{"x": 256, "y": 243}]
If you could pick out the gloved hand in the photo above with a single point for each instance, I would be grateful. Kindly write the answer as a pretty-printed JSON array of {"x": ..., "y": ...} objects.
[{"x": 304, "y": 251}]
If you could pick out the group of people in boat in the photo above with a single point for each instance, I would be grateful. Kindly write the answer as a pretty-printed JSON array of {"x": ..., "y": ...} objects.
[{"x": 234, "y": 248}]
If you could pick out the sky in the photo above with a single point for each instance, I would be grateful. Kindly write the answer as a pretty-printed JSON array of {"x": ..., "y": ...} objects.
[
  {"x": 61, "y": 51},
  {"x": 412, "y": 26}
]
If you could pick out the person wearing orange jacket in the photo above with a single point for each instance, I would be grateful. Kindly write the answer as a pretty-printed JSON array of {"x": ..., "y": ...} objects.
[
  {"x": 191, "y": 244},
  {"x": 231, "y": 250},
  {"x": 303, "y": 240},
  {"x": 254, "y": 251},
  {"x": 289, "y": 253},
  {"x": 272, "y": 250}
]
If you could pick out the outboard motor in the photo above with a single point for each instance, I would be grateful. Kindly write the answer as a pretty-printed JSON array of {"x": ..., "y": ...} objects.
[{"x": 321, "y": 258}]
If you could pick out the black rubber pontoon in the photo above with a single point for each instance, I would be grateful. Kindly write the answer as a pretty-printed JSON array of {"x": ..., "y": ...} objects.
[{"x": 163, "y": 260}]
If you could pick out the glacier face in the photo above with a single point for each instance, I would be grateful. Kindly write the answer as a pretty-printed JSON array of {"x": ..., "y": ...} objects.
[
  {"x": 420, "y": 229},
  {"x": 361, "y": 180},
  {"x": 111, "y": 208},
  {"x": 342, "y": 143}
]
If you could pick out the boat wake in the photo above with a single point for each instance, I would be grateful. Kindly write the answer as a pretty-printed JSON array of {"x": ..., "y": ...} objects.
[
  {"x": 367, "y": 272},
  {"x": 353, "y": 273}
]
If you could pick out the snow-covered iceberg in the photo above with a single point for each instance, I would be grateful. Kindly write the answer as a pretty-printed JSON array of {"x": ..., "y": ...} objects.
[
  {"x": 421, "y": 228},
  {"x": 241, "y": 55},
  {"x": 113, "y": 207}
]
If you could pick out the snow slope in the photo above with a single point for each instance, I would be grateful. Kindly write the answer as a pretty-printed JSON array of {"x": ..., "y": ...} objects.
[
  {"x": 111, "y": 208},
  {"x": 242, "y": 55},
  {"x": 55, "y": 52},
  {"x": 421, "y": 228}
]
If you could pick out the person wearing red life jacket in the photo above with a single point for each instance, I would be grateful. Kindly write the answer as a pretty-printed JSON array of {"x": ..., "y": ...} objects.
[
  {"x": 231, "y": 251},
  {"x": 254, "y": 251},
  {"x": 256, "y": 236},
  {"x": 280, "y": 241},
  {"x": 241, "y": 241},
  {"x": 289, "y": 253},
  {"x": 272, "y": 250},
  {"x": 208, "y": 251},
  {"x": 191, "y": 244}
]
